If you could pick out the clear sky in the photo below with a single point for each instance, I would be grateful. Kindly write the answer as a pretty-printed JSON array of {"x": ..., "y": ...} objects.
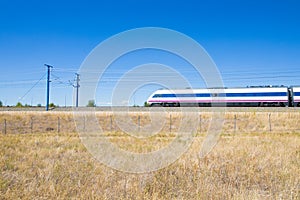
[{"x": 253, "y": 42}]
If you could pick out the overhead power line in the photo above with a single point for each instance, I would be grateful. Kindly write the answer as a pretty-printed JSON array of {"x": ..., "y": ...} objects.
[{"x": 32, "y": 87}]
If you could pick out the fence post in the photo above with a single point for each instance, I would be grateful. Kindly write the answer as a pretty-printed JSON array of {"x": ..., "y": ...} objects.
[
  {"x": 234, "y": 123},
  {"x": 31, "y": 125},
  {"x": 200, "y": 123},
  {"x": 170, "y": 123},
  {"x": 5, "y": 126},
  {"x": 270, "y": 124},
  {"x": 139, "y": 123},
  {"x": 58, "y": 124},
  {"x": 111, "y": 123},
  {"x": 84, "y": 123}
]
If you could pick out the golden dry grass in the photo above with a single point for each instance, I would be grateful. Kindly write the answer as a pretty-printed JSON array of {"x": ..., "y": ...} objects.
[
  {"x": 52, "y": 165},
  {"x": 240, "y": 167}
]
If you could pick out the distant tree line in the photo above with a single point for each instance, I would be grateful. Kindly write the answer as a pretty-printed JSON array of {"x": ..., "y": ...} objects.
[
  {"x": 91, "y": 103},
  {"x": 19, "y": 105}
]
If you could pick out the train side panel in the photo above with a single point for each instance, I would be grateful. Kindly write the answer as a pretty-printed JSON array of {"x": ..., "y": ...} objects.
[
  {"x": 230, "y": 96},
  {"x": 268, "y": 95}
]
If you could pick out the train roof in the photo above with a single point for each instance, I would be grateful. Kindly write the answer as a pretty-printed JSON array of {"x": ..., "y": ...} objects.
[{"x": 211, "y": 88}]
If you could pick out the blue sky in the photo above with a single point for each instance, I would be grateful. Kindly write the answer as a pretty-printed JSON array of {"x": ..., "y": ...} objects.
[{"x": 252, "y": 42}]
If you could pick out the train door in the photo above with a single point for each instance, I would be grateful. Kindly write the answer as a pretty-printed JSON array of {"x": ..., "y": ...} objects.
[
  {"x": 290, "y": 95},
  {"x": 295, "y": 91}
]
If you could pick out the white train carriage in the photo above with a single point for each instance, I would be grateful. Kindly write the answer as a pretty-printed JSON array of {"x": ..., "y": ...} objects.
[
  {"x": 295, "y": 95},
  {"x": 252, "y": 96}
]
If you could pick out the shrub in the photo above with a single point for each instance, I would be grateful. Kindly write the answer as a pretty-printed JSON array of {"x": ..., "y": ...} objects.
[
  {"x": 52, "y": 105},
  {"x": 91, "y": 103},
  {"x": 19, "y": 104}
]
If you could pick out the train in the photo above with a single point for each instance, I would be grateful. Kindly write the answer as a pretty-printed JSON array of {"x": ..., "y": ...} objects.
[{"x": 252, "y": 96}]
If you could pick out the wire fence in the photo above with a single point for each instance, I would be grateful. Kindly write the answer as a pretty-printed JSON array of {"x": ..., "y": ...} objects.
[{"x": 234, "y": 122}]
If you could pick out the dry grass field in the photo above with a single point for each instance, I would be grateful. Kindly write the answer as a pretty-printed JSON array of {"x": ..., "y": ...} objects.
[
  {"x": 241, "y": 121},
  {"x": 249, "y": 162}
]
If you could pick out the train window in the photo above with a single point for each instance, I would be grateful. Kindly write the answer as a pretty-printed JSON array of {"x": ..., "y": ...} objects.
[{"x": 157, "y": 96}]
